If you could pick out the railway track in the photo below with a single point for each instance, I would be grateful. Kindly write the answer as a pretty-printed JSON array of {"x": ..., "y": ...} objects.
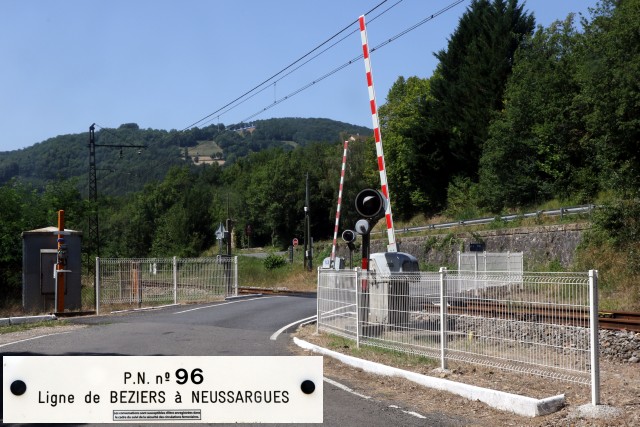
[
  {"x": 619, "y": 320},
  {"x": 615, "y": 320},
  {"x": 545, "y": 314}
]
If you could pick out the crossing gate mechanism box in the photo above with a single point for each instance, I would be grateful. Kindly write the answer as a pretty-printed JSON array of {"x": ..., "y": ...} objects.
[{"x": 388, "y": 289}]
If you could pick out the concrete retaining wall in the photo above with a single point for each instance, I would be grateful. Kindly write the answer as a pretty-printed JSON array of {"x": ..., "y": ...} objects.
[{"x": 541, "y": 244}]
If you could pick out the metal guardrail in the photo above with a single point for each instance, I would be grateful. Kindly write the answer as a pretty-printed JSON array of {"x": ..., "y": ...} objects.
[{"x": 573, "y": 210}]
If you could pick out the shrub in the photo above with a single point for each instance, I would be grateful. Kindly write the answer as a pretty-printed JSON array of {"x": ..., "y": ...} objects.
[{"x": 274, "y": 261}]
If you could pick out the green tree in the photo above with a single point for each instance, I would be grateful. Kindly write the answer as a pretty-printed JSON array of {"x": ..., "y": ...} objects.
[
  {"x": 537, "y": 147},
  {"x": 361, "y": 171},
  {"x": 403, "y": 130},
  {"x": 609, "y": 76},
  {"x": 472, "y": 74},
  {"x": 23, "y": 208}
]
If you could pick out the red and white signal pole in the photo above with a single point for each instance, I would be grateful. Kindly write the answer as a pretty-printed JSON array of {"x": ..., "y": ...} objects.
[
  {"x": 392, "y": 246},
  {"x": 335, "y": 230}
]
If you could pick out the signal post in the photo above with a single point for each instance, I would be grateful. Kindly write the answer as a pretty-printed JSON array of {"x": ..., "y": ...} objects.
[{"x": 61, "y": 264}]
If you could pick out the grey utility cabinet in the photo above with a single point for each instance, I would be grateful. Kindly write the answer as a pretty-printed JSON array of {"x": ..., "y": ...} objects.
[{"x": 39, "y": 256}]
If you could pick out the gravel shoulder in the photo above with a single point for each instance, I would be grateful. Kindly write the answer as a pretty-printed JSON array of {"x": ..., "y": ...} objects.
[
  {"x": 40, "y": 331},
  {"x": 620, "y": 388}
]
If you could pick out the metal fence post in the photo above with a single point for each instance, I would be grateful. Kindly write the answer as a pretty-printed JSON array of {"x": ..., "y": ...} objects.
[
  {"x": 443, "y": 319},
  {"x": 235, "y": 275},
  {"x": 358, "y": 278},
  {"x": 318, "y": 296},
  {"x": 96, "y": 280},
  {"x": 475, "y": 271},
  {"x": 175, "y": 280},
  {"x": 138, "y": 273},
  {"x": 595, "y": 337}
]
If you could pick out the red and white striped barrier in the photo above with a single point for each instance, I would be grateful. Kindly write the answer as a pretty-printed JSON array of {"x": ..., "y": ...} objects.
[
  {"x": 391, "y": 247},
  {"x": 335, "y": 230}
]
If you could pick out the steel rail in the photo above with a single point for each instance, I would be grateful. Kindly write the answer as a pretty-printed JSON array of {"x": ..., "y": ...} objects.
[{"x": 572, "y": 316}]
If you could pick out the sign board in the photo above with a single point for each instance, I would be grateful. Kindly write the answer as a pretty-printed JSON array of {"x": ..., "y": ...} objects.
[
  {"x": 160, "y": 389},
  {"x": 220, "y": 232},
  {"x": 295, "y": 241},
  {"x": 476, "y": 247}
]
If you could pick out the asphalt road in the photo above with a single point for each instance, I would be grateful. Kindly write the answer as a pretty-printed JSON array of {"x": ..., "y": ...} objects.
[{"x": 234, "y": 328}]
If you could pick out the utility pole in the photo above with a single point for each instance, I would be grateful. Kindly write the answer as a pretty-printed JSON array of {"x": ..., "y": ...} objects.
[
  {"x": 94, "y": 234},
  {"x": 93, "y": 241},
  {"x": 229, "y": 232},
  {"x": 308, "y": 240}
]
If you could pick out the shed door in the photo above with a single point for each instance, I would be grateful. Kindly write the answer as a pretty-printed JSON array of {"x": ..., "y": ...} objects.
[{"x": 48, "y": 258}]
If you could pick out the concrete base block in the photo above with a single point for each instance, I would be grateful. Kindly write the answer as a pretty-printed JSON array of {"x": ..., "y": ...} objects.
[
  {"x": 19, "y": 320},
  {"x": 521, "y": 405}
]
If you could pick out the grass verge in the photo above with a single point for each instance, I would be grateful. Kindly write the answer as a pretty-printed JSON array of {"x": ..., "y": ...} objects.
[
  {"x": 375, "y": 354},
  {"x": 27, "y": 326}
]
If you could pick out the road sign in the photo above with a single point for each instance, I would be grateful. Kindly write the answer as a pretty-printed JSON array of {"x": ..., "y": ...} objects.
[
  {"x": 278, "y": 389},
  {"x": 220, "y": 232},
  {"x": 295, "y": 241}
]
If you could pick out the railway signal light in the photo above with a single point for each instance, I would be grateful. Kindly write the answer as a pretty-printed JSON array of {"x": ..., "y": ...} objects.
[
  {"x": 371, "y": 204},
  {"x": 349, "y": 236},
  {"x": 363, "y": 227}
]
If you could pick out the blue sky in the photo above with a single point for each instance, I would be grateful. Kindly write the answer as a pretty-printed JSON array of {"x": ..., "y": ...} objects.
[{"x": 166, "y": 64}]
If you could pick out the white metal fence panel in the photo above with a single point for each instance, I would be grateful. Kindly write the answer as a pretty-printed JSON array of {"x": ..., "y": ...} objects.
[
  {"x": 472, "y": 265},
  {"x": 512, "y": 262},
  {"x": 337, "y": 307},
  {"x": 157, "y": 281},
  {"x": 396, "y": 311},
  {"x": 200, "y": 279},
  {"x": 540, "y": 323}
]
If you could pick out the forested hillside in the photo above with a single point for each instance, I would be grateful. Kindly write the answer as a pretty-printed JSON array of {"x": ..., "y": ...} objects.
[
  {"x": 513, "y": 117},
  {"x": 121, "y": 170}
]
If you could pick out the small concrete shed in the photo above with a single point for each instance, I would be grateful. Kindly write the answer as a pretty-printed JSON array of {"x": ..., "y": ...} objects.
[{"x": 39, "y": 256}]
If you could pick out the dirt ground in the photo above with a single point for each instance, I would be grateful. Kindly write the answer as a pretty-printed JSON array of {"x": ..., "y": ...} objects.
[{"x": 620, "y": 388}]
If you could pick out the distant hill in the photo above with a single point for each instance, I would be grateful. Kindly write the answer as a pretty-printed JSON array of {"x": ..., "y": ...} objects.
[{"x": 123, "y": 170}]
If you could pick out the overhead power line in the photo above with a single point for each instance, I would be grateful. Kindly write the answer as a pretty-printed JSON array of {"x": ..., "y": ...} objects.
[
  {"x": 357, "y": 58},
  {"x": 308, "y": 56},
  {"x": 346, "y": 36},
  {"x": 281, "y": 71}
]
